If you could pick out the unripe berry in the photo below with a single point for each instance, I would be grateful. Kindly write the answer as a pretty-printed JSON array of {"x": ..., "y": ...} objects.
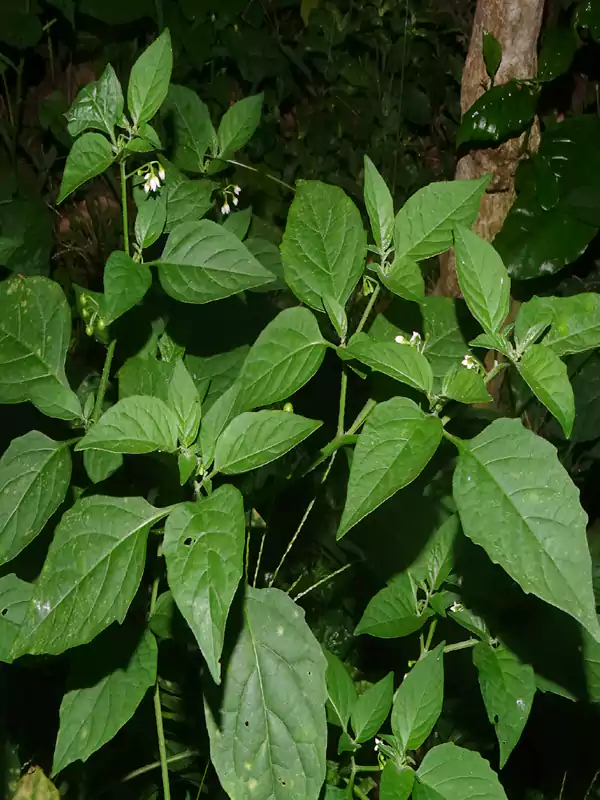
[{"x": 89, "y": 330}]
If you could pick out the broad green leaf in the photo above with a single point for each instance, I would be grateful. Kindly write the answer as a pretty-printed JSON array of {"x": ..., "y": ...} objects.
[
  {"x": 286, "y": 355},
  {"x": 26, "y": 232},
  {"x": 501, "y": 113},
  {"x": 90, "y": 155},
  {"x": 403, "y": 362},
  {"x": 35, "y": 473},
  {"x": 151, "y": 218},
  {"x": 256, "y": 438},
  {"x": 136, "y": 424},
  {"x": 393, "y": 448},
  {"x": 445, "y": 344},
  {"x": 424, "y": 226},
  {"x": 586, "y": 388},
  {"x": 184, "y": 400},
  {"x": 393, "y": 612},
  {"x": 215, "y": 421},
  {"x": 187, "y": 201},
  {"x": 268, "y": 740},
  {"x": 269, "y": 256},
  {"x": 341, "y": 691},
  {"x": 238, "y": 124},
  {"x": 380, "y": 206},
  {"x": 508, "y": 688},
  {"x": 91, "y": 573},
  {"x": 518, "y": 502},
  {"x": 35, "y": 329},
  {"x": 465, "y": 385},
  {"x": 145, "y": 375},
  {"x": 15, "y": 596},
  {"x": 108, "y": 681},
  {"x": 396, "y": 782},
  {"x": 576, "y": 323},
  {"x": 125, "y": 284},
  {"x": 238, "y": 223},
  {"x": 213, "y": 375},
  {"x": 559, "y": 45},
  {"x": 204, "y": 550},
  {"x": 534, "y": 317},
  {"x": 99, "y": 105},
  {"x": 324, "y": 244},
  {"x": 492, "y": 53},
  {"x": 418, "y": 701},
  {"x": 191, "y": 128},
  {"x": 434, "y": 563},
  {"x": 372, "y": 708},
  {"x": 203, "y": 262},
  {"x": 337, "y": 316},
  {"x": 483, "y": 279},
  {"x": 149, "y": 79},
  {"x": 404, "y": 278},
  {"x": 546, "y": 375},
  {"x": 449, "y": 772},
  {"x": 100, "y": 465}
]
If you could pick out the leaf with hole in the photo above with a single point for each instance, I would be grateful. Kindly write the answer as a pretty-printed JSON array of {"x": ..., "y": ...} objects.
[
  {"x": 393, "y": 448},
  {"x": 270, "y": 735},
  {"x": 204, "y": 550},
  {"x": 92, "y": 571}
]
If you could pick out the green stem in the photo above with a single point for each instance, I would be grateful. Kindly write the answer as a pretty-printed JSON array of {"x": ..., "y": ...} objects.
[
  {"x": 124, "y": 206},
  {"x": 362, "y": 416},
  {"x": 156, "y": 764},
  {"x": 496, "y": 370},
  {"x": 258, "y": 172},
  {"x": 452, "y": 648},
  {"x": 162, "y": 748},
  {"x": 342, "y": 405},
  {"x": 369, "y": 308},
  {"x": 8, "y": 100},
  {"x": 323, "y": 580},
  {"x": 104, "y": 381},
  {"x": 368, "y": 769},
  {"x": 259, "y": 558},
  {"x": 203, "y": 779}
]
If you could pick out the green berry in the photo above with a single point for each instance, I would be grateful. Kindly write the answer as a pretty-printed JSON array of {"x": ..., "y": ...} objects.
[
  {"x": 89, "y": 330},
  {"x": 84, "y": 299},
  {"x": 85, "y": 313},
  {"x": 101, "y": 324},
  {"x": 289, "y": 408}
]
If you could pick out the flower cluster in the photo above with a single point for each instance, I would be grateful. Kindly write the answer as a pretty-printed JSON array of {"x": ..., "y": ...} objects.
[
  {"x": 90, "y": 312},
  {"x": 153, "y": 175},
  {"x": 415, "y": 339},
  {"x": 233, "y": 192}
]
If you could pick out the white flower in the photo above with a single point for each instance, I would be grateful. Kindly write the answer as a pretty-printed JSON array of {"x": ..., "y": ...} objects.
[
  {"x": 235, "y": 201},
  {"x": 147, "y": 176},
  {"x": 237, "y": 190},
  {"x": 225, "y": 208},
  {"x": 457, "y": 607},
  {"x": 415, "y": 338},
  {"x": 161, "y": 173},
  {"x": 469, "y": 362},
  {"x": 401, "y": 339},
  {"x": 377, "y": 743},
  {"x": 146, "y": 187}
]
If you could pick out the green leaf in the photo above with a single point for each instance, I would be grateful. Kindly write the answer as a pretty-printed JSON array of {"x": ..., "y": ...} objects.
[
  {"x": 403, "y": 362},
  {"x": 187, "y": 201},
  {"x": 145, "y": 375},
  {"x": 559, "y": 46},
  {"x": 35, "y": 473},
  {"x": 341, "y": 690},
  {"x": 90, "y": 155},
  {"x": 418, "y": 701},
  {"x": 434, "y": 563},
  {"x": 393, "y": 448},
  {"x": 108, "y": 681},
  {"x": 137, "y": 424},
  {"x": 215, "y": 421},
  {"x": 465, "y": 385},
  {"x": 501, "y": 113},
  {"x": 337, "y": 316},
  {"x": 393, "y": 612},
  {"x": 99, "y": 105},
  {"x": 34, "y": 785},
  {"x": 35, "y": 329},
  {"x": 372, "y": 708},
  {"x": 125, "y": 284},
  {"x": 273, "y": 703},
  {"x": 396, "y": 782},
  {"x": 449, "y": 772},
  {"x": 203, "y": 262},
  {"x": 15, "y": 596},
  {"x": 324, "y": 244},
  {"x": 425, "y": 224},
  {"x": 546, "y": 375},
  {"x": 149, "y": 79},
  {"x": 445, "y": 344},
  {"x": 586, "y": 388},
  {"x": 269, "y": 256},
  {"x": 191, "y": 128},
  {"x": 517, "y": 501},
  {"x": 100, "y": 465},
  {"x": 92, "y": 571},
  {"x": 184, "y": 400},
  {"x": 405, "y": 279},
  {"x": 238, "y": 124},
  {"x": 238, "y": 223},
  {"x": 213, "y": 375},
  {"x": 534, "y": 317},
  {"x": 380, "y": 206},
  {"x": 575, "y": 323},
  {"x": 508, "y": 688},
  {"x": 483, "y": 279},
  {"x": 286, "y": 355},
  {"x": 151, "y": 218},
  {"x": 26, "y": 233},
  {"x": 256, "y": 438},
  {"x": 492, "y": 53},
  {"x": 204, "y": 550}
]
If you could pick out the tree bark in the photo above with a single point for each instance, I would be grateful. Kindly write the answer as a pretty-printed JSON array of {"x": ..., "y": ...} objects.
[{"x": 516, "y": 24}]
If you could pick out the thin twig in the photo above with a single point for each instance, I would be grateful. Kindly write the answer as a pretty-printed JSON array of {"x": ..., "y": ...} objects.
[
  {"x": 323, "y": 580},
  {"x": 258, "y": 558},
  {"x": 104, "y": 381},
  {"x": 156, "y": 764},
  {"x": 369, "y": 308}
]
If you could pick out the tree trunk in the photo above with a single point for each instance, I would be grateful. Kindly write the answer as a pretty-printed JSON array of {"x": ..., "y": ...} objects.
[{"x": 516, "y": 24}]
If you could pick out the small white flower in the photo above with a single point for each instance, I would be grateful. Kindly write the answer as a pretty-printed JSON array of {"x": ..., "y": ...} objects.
[
  {"x": 146, "y": 187},
  {"x": 415, "y": 338},
  {"x": 154, "y": 182},
  {"x": 469, "y": 362},
  {"x": 225, "y": 208},
  {"x": 235, "y": 201},
  {"x": 457, "y": 607},
  {"x": 147, "y": 176},
  {"x": 161, "y": 173},
  {"x": 237, "y": 190},
  {"x": 401, "y": 339},
  {"x": 377, "y": 743}
]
